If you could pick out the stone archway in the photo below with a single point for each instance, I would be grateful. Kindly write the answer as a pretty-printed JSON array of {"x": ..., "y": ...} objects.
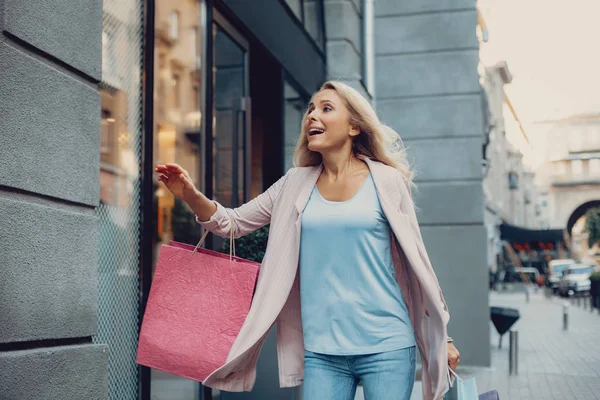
[{"x": 580, "y": 212}]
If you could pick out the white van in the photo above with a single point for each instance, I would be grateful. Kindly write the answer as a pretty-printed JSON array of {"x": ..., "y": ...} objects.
[
  {"x": 576, "y": 280},
  {"x": 556, "y": 268}
]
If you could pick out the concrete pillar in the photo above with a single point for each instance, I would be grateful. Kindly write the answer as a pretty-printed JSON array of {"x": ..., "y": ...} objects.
[
  {"x": 344, "y": 34},
  {"x": 428, "y": 90},
  {"x": 50, "y": 58}
]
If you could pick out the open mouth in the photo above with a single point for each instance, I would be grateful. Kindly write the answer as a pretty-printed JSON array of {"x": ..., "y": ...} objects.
[{"x": 315, "y": 131}]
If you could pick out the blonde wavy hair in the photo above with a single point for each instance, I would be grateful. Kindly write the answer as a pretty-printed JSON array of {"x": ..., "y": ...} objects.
[{"x": 376, "y": 140}]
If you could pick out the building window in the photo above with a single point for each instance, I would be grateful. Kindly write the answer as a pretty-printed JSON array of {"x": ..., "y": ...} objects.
[
  {"x": 194, "y": 51},
  {"x": 310, "y": 13},
  {"x": 196, "y": 94},
  {"x": 174, "y": 25},
  {"x": 175, "y": 85},
  {"x": 527, "y": 197},
  {"x": 513, "y": 181},
  {"x": 296, "y": 7}
]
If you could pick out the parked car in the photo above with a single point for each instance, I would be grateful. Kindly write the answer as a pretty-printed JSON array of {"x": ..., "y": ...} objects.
[
  {"x": 576, "y": 280},
  {"x": 555, "y": 272},
  {"x": 516, "y": 275}
]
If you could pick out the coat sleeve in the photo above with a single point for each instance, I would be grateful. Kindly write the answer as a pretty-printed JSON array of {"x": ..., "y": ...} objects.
[
  {"x": 248, "y": 217},
  {"x": 407, "y": 207}
]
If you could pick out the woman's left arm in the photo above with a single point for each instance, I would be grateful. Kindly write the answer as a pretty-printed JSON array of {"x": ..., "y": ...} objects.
[{"x": 246, "y": 218}]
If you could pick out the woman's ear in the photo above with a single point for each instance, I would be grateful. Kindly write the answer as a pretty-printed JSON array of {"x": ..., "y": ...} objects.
[{"x": 354, "y": 131}]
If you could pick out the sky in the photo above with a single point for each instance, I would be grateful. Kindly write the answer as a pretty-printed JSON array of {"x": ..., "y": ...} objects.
[{"x": 552, "y": 48}]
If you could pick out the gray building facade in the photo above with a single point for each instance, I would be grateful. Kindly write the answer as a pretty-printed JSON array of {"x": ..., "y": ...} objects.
[
  {"x": 50, "y": 58},
  {"x": 427, "y": 89}
]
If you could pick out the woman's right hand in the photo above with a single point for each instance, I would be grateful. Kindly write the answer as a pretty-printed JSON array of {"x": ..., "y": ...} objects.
[{"x": 177, "y": 180}]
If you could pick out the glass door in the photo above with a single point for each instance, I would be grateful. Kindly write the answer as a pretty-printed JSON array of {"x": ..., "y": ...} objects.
[
  {"x": 231, "y": 136},
  {"x": 231, "y": 115}
]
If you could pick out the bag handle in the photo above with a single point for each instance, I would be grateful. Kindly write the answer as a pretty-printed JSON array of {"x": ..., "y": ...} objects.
[
  {"x": 450, "y": 370},
  {"x": 231, "y": 239}
]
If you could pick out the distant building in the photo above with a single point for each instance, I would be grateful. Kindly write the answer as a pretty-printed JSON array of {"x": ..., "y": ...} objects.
[
  {"x": 569, "y": 178},
  {"x": 508, "y": 184}
]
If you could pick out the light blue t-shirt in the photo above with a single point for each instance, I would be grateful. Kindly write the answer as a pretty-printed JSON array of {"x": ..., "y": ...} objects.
[{"x": 351, "y": 302}]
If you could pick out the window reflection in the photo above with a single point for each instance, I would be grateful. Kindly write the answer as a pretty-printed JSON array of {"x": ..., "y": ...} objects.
[
  {"x": 120, "y": 194},
  {"x": 309, "y": 12},
  {"x": 177, "y": 139},
  {"x": 296, "y": 7},
  {"x": 177, "y": 112},
  {"x": 174, "y": 25},
  {"x": 313, "y": 21},
  {"x": 228, "y": 132}
]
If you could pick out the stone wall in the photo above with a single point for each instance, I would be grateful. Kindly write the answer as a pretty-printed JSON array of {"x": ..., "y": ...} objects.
[{"x": 50, "y": 57}]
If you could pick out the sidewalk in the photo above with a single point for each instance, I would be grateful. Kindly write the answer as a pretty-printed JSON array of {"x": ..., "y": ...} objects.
[{"x": 553, "y": 364}]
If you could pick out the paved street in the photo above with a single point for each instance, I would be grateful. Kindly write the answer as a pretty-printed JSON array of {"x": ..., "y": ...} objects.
[{"x": 553, "y": 364}]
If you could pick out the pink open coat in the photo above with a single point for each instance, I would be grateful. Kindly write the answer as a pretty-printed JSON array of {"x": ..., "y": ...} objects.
[{"x": 277, "y": 296}]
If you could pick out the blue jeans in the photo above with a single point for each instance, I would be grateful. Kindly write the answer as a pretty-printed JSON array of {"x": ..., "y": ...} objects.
[{"x": 385, "y": 376}]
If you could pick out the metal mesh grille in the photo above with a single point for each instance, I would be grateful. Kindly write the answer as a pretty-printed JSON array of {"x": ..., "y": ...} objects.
[{"x": 119, "y": 210}]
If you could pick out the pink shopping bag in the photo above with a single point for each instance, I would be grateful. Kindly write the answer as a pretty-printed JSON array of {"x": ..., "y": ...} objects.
[{"x": 198, "y": 302}]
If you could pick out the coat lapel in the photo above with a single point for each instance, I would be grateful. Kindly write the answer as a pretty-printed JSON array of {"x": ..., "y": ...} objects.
[
  {"x": 390, "y": 199},
  {"x": 307, "y": 187}
]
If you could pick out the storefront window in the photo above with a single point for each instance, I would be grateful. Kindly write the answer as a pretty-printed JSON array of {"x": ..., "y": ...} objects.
[
  {"x": 177, "y": 113},
  {"x": 178, "y": 79},
  {"x": 229, "y": 144},
  {"x": 120, "y": 193}
]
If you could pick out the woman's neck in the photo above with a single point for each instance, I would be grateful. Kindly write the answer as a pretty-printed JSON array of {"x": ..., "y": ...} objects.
[{"x": 336, "y": 165}]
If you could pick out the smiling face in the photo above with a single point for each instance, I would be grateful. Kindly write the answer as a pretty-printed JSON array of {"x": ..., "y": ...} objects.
[{"x": 327, "y": 124}]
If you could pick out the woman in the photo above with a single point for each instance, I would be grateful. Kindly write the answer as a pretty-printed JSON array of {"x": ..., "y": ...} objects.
[{"x": 345, "y": 274}]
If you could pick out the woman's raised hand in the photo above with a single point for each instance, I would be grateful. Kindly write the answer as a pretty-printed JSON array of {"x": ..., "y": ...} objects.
[{"x": 177, "y": 180}]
